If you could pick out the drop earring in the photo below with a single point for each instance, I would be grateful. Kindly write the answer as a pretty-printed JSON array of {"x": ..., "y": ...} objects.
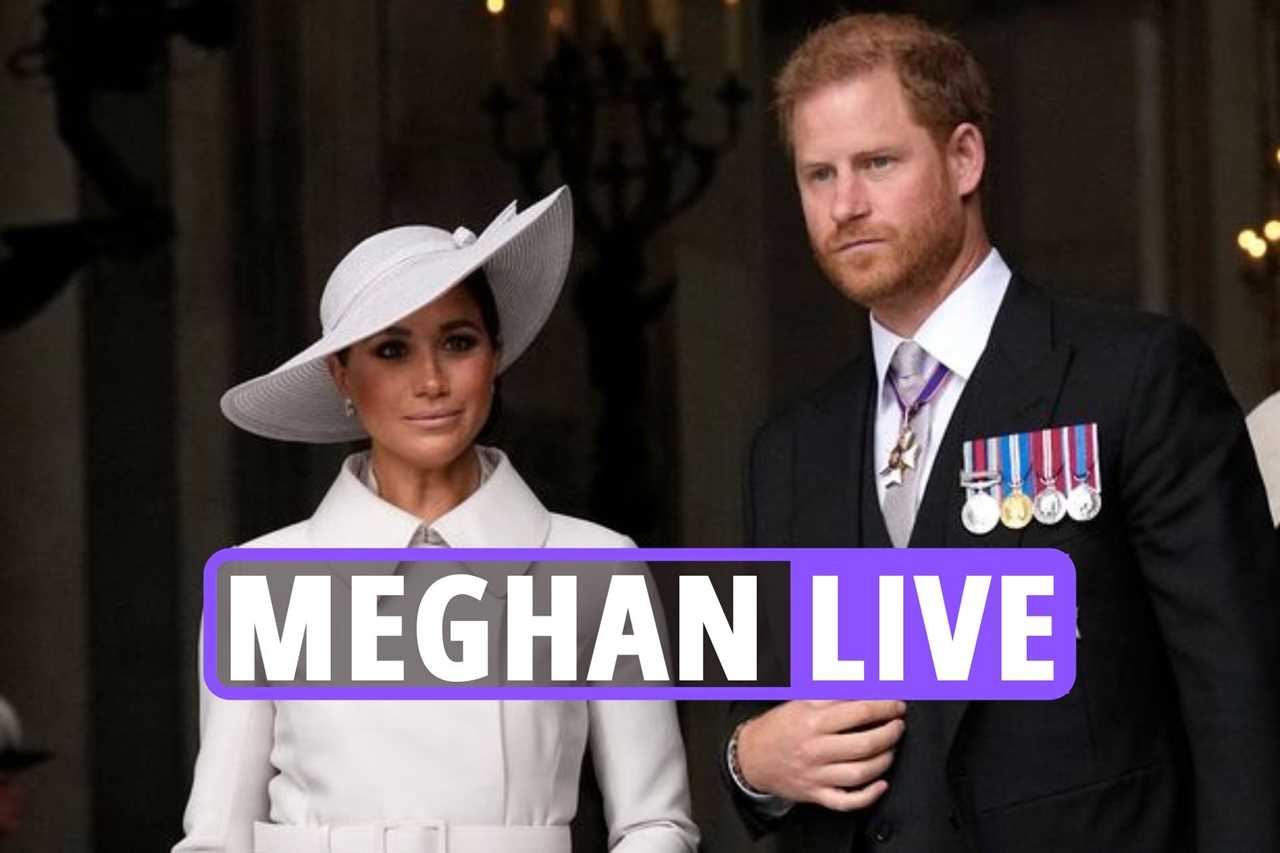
[{"x": 349, "y": 407}]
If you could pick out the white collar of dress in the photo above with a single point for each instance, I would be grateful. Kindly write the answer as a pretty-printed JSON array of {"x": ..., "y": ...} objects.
[{"x": 502, "y": 513}]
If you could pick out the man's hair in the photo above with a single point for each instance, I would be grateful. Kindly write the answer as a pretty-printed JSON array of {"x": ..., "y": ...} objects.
[{"x": 944, "y": 84}]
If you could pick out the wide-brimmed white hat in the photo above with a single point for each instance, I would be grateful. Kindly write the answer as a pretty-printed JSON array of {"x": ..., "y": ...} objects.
[{"x": 390, "y": 275}]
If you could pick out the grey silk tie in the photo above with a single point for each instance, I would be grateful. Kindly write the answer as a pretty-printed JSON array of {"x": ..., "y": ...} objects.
[{"x": 909, "y": 370}]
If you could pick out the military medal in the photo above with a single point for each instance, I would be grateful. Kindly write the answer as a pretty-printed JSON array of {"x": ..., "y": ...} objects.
[
  {"x": 981, "y": 511},
  {"x": 1015, "y": 509},
  {"x": 1084, "y": 500},
  {"x": 905, "y": 452},
  {"x": 1044, "y": 475},
  {"x": 902, "y": 457},
  {"x": 1050, "y": 504}
]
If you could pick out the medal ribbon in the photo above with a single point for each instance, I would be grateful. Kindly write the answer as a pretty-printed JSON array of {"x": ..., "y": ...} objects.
[
  {"x": 1079, "y": 447},
  {"x": 1081, "y": 467},
  {"x": 936, "y": 380},
  {"x": 1095, "y": 469},
  {"x": 993, "y": 461},
  {"x": 1026, "y": 464},
  {"x": 1042, "y": 454},
  {"x": 1064, "y": 445},
  {"x": 975, "y": 460},
  {"x": 1084, "y": 462},
  {"x": 1061, "y": 457},
  {"x": 1013, "y": 449}
]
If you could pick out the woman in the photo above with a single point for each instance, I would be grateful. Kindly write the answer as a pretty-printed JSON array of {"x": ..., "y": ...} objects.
[{"x": 417, "y": 324}]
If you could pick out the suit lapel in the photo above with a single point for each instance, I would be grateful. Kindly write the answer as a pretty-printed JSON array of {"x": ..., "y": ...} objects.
[
  {"x": 829, "y": 462},
  {"x": 1014, "y": 388},
  {"x": 875, "y": 533}
]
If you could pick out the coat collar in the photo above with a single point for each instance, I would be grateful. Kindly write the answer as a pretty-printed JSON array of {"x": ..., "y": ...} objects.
[{"x": 502, "y": 513}]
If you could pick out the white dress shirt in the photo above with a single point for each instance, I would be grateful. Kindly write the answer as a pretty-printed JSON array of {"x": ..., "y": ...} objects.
[{"x": 955, "y": 334}]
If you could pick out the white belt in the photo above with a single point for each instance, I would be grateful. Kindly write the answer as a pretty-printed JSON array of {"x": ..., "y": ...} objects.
[{"x": 409, "y": 836}]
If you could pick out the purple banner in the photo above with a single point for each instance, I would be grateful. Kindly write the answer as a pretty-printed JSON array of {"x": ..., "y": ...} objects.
[{"x": 906, "y": 624}]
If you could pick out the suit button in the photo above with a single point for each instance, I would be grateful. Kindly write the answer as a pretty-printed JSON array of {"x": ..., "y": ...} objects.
[
  {"x": 883, "y": 831},
  {"x": 954, "y": 819}
]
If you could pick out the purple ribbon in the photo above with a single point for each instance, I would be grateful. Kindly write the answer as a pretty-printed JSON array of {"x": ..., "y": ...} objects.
[{"x": 940, "y": 374}]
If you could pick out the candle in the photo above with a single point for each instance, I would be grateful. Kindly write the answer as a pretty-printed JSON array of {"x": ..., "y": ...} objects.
[
  {"x": 665, "y": 15},
  {"x": 559, "y": 24},
  {"x": 611, "y": 17},
  {"x": 733, "y": 36},
  {"x": 495, "y": 8}
]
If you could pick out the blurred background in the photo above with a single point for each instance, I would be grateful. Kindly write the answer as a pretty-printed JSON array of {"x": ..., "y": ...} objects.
[{"x": 180, "y": 176}]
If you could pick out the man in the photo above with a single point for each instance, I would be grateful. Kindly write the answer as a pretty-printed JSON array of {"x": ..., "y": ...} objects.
[{"x": 1170, "y": 738}]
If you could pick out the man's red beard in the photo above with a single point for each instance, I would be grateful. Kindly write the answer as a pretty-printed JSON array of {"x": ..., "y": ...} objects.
[{"x": 906, "y": 262}]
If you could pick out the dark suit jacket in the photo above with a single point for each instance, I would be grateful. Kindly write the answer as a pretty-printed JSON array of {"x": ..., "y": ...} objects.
[{"x": 1170, "y": 738}]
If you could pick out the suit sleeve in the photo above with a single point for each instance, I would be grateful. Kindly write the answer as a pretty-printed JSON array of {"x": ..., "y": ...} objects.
[
  {"x": 1197, "y": 518},
  {"x": 767, "y": 493},
  {"x": 233, "y": 767}
]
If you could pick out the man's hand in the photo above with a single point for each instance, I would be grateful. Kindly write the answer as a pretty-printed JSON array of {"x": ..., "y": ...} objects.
[{"x": 830, "y": 753}]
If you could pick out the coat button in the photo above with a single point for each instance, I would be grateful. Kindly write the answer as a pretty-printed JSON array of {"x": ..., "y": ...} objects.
[
  {"x": 883, "y": 831},
  {"x": 953, "y": 817}
]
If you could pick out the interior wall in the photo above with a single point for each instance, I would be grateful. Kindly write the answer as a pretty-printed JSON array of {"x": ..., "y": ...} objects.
[
  {"x": 1061, "y": 192},
  {"x": 202, "y": 160},
  {"x": 44, "y": 656},
  {"x": 1233, "y": 165}
]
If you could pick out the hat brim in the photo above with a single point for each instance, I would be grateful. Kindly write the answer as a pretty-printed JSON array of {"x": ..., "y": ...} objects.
[{"x": 525, "y": 257}]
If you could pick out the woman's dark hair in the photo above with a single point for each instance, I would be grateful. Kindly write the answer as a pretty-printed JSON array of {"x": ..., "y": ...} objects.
[{"x": 477, "y": 284}]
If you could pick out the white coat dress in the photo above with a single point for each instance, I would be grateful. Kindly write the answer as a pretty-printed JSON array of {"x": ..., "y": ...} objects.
[{"x": 423, "y": 776}]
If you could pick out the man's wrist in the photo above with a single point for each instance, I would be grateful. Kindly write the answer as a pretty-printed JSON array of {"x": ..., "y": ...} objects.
[
  {"x": 735, "y": 766},
  {"x": 766, "y": 805}
]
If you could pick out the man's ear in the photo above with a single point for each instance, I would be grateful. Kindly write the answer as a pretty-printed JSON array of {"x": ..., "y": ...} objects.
[
  {"x": 966, "y": 158},
  {"x": 338, "y": 371}
]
